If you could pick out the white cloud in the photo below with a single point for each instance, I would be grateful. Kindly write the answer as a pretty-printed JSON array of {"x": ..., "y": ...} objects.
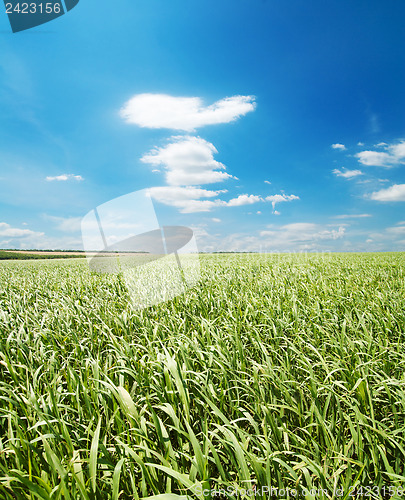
[
  {"x": 258, "y": 212},
  {"x": 76, "y": 224},
  {"x": 188, "y": 199},
  {"x": 283, "y": 238},
  {"x": 352, "y": 216},
  {"x": 393, "y": 193},
  {"x": 267, "y": 182},
  {"x": 360, "y": 143},
  {"x": 188, "y": 161},
  {"x": 397, "y": 230},
  {"x": 347, "y": 174},
  {"x": 65, "y": 177},
  {"x": 13, "y": 232},
  {"x": 244, "y": 199},
  {"x": 302, "y": 232},
  {"x": 215, "y": 219},
  {"x": 342, "y": 147},
  {"x": 172, "y": 194},
  {"x": 280, "y": 198},
  {"x": 398, "y": 150},
  {"x": 390, "y": 238},
  {"x": 374, "y": 159},
  {"x": 183, "y": 113},
  {"x": 395, "y": 155},
  {"x": 66, "y": 224}
]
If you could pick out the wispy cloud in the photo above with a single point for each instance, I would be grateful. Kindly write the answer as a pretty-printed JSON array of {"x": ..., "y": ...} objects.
[
  {"x": 299, "y": 236},
  {"x": 183, "y": 113},
  {"x": 347, "y": 174},
  {"x": 300, "y": 232},
  {"x": 188, "y": 161},
  {"x": 342, "y": 147},
  {"x": 65, "y": 177},
  {"x": 352, "y": 216}
]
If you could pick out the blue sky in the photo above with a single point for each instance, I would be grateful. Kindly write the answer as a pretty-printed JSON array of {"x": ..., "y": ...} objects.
[{"x": 205, "y": 101}]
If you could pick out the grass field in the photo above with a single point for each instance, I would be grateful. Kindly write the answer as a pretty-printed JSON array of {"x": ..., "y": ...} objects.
[
  {"x": 37, "y": 254},
  {"x": 277, "y": 370}
]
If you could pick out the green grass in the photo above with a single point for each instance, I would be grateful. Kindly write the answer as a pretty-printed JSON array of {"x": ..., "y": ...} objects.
[
  {"x": 283, "y": 371},
  {"x": 10, "y": 255}
]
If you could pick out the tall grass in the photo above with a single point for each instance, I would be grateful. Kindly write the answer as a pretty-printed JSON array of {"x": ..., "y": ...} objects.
[{"x": 283, "y": 371}]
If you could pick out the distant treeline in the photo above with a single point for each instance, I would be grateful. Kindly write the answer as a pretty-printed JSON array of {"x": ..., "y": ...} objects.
[{"x": 28, "y": 256}]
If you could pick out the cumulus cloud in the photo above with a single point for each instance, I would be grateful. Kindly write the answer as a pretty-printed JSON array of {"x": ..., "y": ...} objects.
[
  {"x": 189, "y": 199},
  {"x": 342, "y": 147},
  {"x": 65, "y": 177},
  {"x": 183, "y": 113},
  {"x": 280, "y": 198},
  {"x": 13, "y": 232},
  {"x": 393, "y": 193},
  {"x": 394, "y": 155},
  {"x": 188, "y": 161},
  {"x": 244, "y": 199},
  {"x": 347, "y": 174},
  {"x": 374, "y": 159}
]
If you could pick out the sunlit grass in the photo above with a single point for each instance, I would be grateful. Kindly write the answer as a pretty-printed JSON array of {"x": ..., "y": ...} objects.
[{"x": 284, "y": 371}]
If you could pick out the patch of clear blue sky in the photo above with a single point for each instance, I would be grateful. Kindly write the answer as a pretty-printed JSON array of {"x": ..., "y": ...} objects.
[{"x": 322, "y": 72}]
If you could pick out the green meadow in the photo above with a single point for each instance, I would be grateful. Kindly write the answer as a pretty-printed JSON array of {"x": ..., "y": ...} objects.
[{"x": 283, "y": 371}]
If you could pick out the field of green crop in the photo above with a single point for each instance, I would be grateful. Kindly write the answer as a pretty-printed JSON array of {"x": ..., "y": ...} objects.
[
  {"x": 278, "y": 371},
  {"x": 10, "y": 255}
]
